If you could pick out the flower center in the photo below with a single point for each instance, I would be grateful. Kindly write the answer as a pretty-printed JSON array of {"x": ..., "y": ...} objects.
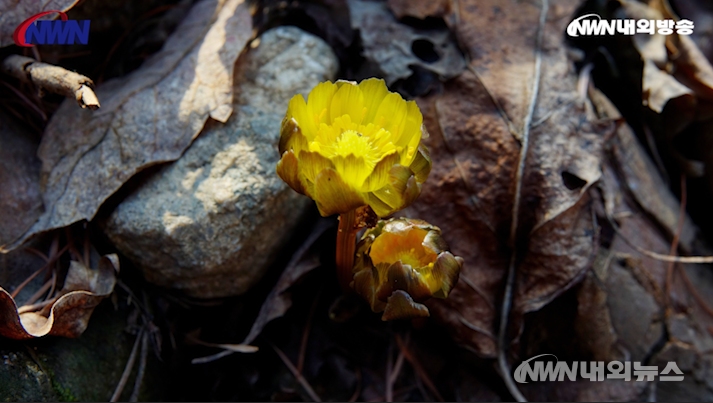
[
  {"x": 406, "y": 247},
  {"x": 353, "y": 142}
]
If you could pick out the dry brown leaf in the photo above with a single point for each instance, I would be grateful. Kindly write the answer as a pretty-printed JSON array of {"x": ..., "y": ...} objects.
[
  {"x": 420, "y": 9},
  {"x": 279, "y": 300},
  {"x": 20, "y": 198},
  {"x": 69, "y": 313},
  {"x": 148, "y": 117},
  {"x": 12, "y": 13},
  {"x": 476, "y": 129},
  {"x": 395, "y": 48}
]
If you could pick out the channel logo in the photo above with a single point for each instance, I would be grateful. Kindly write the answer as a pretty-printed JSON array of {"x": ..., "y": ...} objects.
[{"x": 58, "y": 32}]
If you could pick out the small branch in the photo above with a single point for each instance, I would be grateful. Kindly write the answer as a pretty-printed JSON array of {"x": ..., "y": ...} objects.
[
  {"x": 305, "y": 332},
  {"x": 674, "y": 243},
  {"x": 127, "y": 369},
  {"x": 417, "y": 367},
  {"x": 55, "y": 79},
  {"x": 307, "y": 387},
  {"x": 142, "y": 368}
]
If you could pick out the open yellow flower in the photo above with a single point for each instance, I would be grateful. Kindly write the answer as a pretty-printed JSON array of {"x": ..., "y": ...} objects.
[
  {"x": 402, "y": 262},
  {"x": 351, "y": 145}
]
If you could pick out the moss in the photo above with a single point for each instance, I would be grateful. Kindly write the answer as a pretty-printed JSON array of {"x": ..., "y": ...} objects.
[{"x": 63, "y": 394}]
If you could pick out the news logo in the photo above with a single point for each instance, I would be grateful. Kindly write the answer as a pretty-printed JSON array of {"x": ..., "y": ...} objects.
[{"x": 58, "y": 32}]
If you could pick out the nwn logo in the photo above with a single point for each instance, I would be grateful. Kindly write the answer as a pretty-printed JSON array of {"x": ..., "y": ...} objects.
[{"x": 60, "y": 32}]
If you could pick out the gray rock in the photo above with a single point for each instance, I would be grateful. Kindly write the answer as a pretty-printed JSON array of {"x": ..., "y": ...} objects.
[{"x": 210, "y": 223}]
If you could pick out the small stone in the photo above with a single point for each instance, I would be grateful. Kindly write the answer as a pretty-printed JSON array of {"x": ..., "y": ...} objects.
[{"x": 211, "y": 223}]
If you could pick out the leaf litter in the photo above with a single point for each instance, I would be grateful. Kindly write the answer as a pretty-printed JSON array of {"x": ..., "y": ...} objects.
[
  {"x": 148, "y": 117},
  {"x": 66, "y": 313},
  {"x": 523, "y": 179}
]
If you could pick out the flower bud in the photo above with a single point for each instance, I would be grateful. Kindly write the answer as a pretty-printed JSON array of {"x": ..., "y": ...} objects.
[{"x": 401, "y": 263}]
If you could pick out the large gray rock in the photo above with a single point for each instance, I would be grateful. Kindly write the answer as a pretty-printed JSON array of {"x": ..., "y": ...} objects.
[{"x": 210, "y": 223}]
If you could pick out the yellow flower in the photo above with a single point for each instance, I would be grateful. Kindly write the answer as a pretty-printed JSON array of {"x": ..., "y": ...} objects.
[
  {"x": 402, "y": 262},
  {"x": 351, "y": 145}
]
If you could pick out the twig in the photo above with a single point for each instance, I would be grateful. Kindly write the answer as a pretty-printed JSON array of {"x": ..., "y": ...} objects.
[
  {"x": 392, "y": 371},
  {"x": 692, "y": 289},
  {"x": 54, "y": 255},
  {"x": 305, "y": 332},
  {"x": 51, "y": 78},
  {"x": 296, "y": 374},
  {"x": 32, "y": 105},
  {"x": 503, "y": 342},
  {"x": 357, "y": 390},
  {"x": 403, "y": 345},
  {"x": 39, "y": 292},
  {"x": 127, "y": 368},
  {"x": 674, "y": 242},
  {"x": 658, "y": 256},
  {"x": 389, "y": 393},
  {"x": 142, "y": 368}
]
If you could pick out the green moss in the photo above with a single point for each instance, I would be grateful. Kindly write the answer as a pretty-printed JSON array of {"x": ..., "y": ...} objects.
[{"x": 64, "y": 394}]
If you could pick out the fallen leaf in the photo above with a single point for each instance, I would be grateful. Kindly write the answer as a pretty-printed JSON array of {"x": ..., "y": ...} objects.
[
  {"x": 702, "y": 14},
  {"x": 12, "y": 13},
  {"x": 279, "y": 300},
  {"x": 149, "y": 117},
  {"x": 20, "y": 198},
  {"x": 69, "y": 314},
  {"x": 395, "y": 48},
  {"x": 477, "y": 127},
  {"x": 420, "y": 9}
]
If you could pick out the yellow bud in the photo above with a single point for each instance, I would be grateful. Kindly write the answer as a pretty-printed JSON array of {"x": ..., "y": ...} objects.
[{"x": 401, "y": 263}]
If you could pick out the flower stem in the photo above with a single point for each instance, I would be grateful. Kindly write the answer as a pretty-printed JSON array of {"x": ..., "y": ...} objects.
[{"x": 346, "y": 245}]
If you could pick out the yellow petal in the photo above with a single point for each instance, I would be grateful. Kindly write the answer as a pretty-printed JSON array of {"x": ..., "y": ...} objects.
[
  {"x": 291, "y": 137},
  {"x": 401, "y": 191},
  {"x": 352, "y": 169},
  {"x": 297, "y": 109},
  {"x": 288, "y": 169},
  {"x": 380, "y": 208},
  {"x": 400, "y": 305},
  {"x": 333, "y": 196},
  {"x": 379, "y": 177},
  {"x": 364, "y": 284},
  {"x": 410, "y": 137},
  {"x": 421, "y": 165},
  {"x": 445, "y": 274},
  {"x": 374, "y": 90},
  {"x": 311, "y": 165},
  {"x": 391, "y": 115},
  {"x": 318, "y": 102},
  {"x": 348, "y": 100}
]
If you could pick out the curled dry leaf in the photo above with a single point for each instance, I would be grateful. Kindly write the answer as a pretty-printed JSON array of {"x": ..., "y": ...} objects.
[
  {"x": 477, "y": 128},
  {"x": 150, "y": 116},
  {"x": 69, "y": 313},
  {"x": 12, "y": 13},
  {"x": 677, "y": 85}
]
